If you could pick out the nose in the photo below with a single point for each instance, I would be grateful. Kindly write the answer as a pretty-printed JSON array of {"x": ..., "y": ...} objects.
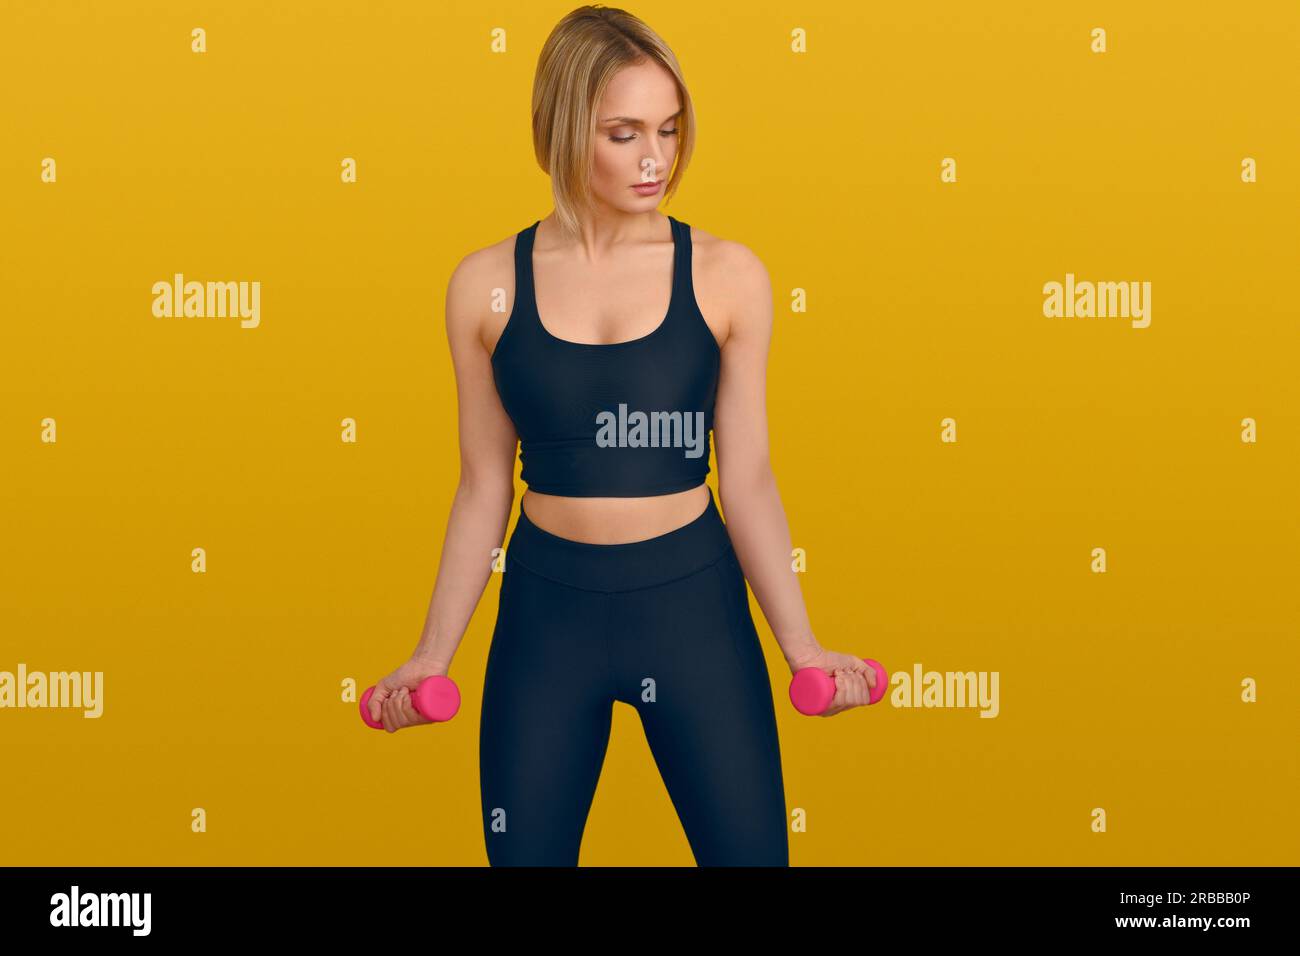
[
  {"x": 650, "y": 166},
  {"x": 655, "y": 161}
]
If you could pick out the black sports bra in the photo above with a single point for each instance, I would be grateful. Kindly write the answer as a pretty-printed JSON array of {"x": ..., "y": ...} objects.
[{"x": 624, "y": 419}]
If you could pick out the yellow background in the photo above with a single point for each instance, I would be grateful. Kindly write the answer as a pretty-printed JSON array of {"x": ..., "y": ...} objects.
[{"x": 222, "y": 690}]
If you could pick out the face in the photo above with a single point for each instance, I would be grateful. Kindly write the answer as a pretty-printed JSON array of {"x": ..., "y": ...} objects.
[{"x": 636, "y": 138}]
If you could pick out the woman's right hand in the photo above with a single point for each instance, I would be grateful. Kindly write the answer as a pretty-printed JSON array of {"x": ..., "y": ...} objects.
[
  {"x": 391, "y": 701},
  {"x": 855, "y": 679}
]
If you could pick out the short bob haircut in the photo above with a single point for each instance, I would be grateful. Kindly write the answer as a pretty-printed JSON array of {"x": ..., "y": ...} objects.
[{"x": 580, "y": 57}]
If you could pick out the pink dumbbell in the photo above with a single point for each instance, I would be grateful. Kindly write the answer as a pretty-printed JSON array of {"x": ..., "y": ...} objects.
[
  {"x": 437, "y": 698},
  {"x": 812, "y": 689}
]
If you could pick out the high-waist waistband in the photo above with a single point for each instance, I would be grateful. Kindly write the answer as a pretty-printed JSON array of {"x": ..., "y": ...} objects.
[{"x": 621, "y": 567}]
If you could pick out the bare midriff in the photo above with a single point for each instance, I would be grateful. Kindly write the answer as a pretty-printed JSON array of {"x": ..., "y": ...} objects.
[{"x": 614, "y": 520}]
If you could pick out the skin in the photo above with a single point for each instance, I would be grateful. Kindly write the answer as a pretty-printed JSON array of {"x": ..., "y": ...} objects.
[{"x": 612, "y": 285}]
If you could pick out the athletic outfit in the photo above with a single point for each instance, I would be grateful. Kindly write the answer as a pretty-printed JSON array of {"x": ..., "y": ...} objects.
[{"x": 662, "y": 624}]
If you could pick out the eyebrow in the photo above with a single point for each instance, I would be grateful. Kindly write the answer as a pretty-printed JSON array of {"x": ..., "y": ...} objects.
[{"x": 633, "y": 121}]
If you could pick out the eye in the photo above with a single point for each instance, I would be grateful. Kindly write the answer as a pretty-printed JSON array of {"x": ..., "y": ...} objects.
[{"x": 632, "y": 136}]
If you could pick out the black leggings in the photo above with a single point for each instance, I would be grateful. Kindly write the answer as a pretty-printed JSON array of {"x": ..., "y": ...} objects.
[{"x": 662, "y": 625}]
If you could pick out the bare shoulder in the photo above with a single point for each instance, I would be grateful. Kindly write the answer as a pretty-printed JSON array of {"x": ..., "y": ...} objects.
[
  {"x": 732, "y": 285},
  {"x": 481, "y": 290}
]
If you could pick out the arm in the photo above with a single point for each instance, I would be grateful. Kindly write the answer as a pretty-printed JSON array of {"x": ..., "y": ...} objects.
[
  {"x": 485, "y": 493},
  {"x": 481, "y": 506},
  {"x": 747, "y": 488}
]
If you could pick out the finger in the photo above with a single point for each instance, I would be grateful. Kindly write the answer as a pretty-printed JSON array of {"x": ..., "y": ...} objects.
[
  {"x": 854, "y": 686},
  {"x": 837, "y": 702},
  {"x": 859, "y": 692},
  {"x": 401, "y": 708},
  {"x": 391, "y": 719},
  {"x": 376, "y": 701},
  {"x": 409, "y": 714},
  {"x": 850, "y": 691}
]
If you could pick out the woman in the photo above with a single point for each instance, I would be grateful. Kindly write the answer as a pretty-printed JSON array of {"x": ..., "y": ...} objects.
[{"x": 629, "y": 336}]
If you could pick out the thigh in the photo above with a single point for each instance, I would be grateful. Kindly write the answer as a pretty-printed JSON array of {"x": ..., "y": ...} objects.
[
  {"x": 545, "y": 720},
  {"x": 688, "y": 658}
]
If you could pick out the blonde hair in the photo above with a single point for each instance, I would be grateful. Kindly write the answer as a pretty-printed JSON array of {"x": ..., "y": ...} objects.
[{"x": 580, "y": 57}]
